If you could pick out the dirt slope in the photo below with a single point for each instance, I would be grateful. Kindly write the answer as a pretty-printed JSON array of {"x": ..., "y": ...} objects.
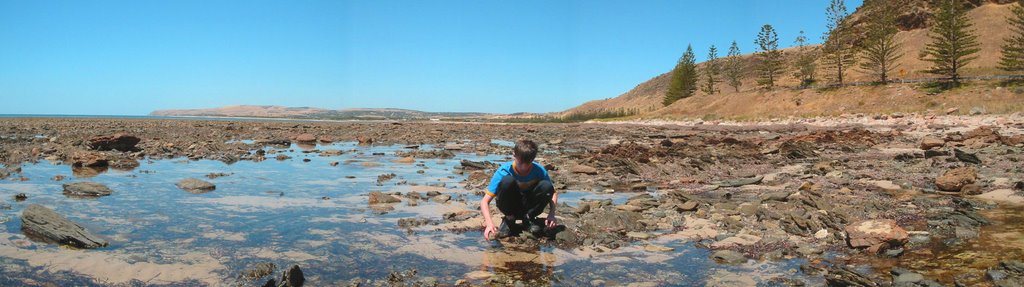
[{"x": 989, "y": 18}]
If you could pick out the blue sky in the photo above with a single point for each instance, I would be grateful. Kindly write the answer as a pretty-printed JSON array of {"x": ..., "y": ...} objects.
[{"x": 133, "y": 57}]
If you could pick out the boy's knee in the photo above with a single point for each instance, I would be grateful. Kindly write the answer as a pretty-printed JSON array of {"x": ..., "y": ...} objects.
[
  {"x": 507, "y": 183},
  {"x": 546, "y": 187}
]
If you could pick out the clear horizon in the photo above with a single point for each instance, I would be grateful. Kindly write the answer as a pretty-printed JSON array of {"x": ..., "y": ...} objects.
[{"x": 131, "y": 58}]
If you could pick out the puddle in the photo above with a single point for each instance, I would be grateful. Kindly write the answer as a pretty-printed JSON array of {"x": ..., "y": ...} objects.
[
  {"x": 1002, "y": 239},
  {"x": 308, "y": 213}
]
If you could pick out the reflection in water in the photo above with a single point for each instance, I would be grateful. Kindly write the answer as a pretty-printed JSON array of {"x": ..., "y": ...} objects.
[
  {"x": 966, "y": 262},
  {"x": 529, "y": 265},
  {"x": 87, "y": 172}
]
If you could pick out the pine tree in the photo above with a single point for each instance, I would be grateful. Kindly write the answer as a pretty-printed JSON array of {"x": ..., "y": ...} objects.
[
  {"x": 1012, "y": 59},
  {"x": 839, "y": 51},
  {"x": 770, "y": 56},
  {"x": 953, "y": 45},
  {"x": 711, "y": 70},
  {"x": 734, "y": 67},
  {"x": 805, "y": 62},
  {"x": 684, "y": 78},
  {"x": 881, "y": 51}
]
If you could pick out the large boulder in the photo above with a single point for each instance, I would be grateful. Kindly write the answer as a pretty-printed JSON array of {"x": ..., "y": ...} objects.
[
  {"x": 196, "y": 185},
  {"x": 955, "y": 179},
  {"x": 86, "y": 189},
  {"x": 119, "y": 141},
  {"x": 41, "y": 223},
  {"x": 876, "y": 234}
]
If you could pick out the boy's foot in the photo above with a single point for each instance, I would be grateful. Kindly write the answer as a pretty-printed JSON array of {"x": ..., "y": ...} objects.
[
  {"x": 532, "y": 227},
  {"x": 508, "y": 228}
]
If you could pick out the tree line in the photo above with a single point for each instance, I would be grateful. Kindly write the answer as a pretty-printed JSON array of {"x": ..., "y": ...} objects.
[{"x": 876, "y": 52}]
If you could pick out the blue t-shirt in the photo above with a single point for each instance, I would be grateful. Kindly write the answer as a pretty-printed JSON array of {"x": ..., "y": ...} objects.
[{"x": 537, "y": 173}]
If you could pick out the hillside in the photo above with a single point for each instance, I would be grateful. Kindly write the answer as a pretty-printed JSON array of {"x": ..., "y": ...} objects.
[
  {"x": 989, "y": 18},
  {"x": 312, "y": 113}
]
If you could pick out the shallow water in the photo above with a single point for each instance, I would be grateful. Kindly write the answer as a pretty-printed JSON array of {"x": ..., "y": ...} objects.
[
  {"x": 310, "y": 214},
  {"x": 1003, "y": 239}
]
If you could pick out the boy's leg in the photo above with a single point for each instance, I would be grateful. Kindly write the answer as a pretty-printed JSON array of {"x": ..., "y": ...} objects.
[
  {"x": 509, "y": 199},
  {"x": 510, "y": 203},
  {"x": 538, "y": 198}
]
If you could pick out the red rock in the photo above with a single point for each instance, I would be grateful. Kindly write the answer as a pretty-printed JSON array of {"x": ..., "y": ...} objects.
[
  {"x": 930, "y": 142},
  {"x": 876, "y": 234},
  {"x": 119, "y": 141},
  {"x": 579, "y": 168},
  {"x": 89, "y": 159},
  {"x": 955, "y": 179},
  {"x": 305, "y": 138}
]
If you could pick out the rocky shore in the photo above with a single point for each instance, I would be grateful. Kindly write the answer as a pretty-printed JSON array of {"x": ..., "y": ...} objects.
[{"x": 889, "y": 193}]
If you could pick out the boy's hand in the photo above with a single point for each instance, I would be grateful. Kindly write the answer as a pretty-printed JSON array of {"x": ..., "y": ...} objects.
[
  {"x": 490, "y": 230},
  {"x": 551, "y": 222}
]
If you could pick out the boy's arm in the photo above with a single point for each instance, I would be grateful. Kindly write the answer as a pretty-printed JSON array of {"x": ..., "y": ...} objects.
[{"x": 485, "y": 210}]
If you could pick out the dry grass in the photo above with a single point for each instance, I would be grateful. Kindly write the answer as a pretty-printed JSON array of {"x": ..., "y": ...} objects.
[{"x": 989, "y": 22}]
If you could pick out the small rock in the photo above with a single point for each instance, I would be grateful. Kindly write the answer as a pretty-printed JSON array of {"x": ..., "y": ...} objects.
[
  {"x": 377, "y": 197},
  {"x": 89, "y": 159},
  {"x": 364, "y": 140},
  {"x": 955, "y": 179},
  {"x": 729, "y": 257},
  {"x": 951, "y": 111},
  {"x": 305, "y": 138},
  {"x": 20, "y": 197},
  {"x": 658, "y": 248},
  {"x": 441, "y": 198},
  {"x": 405, "y": 160},
  {"x": 258, "y": 271},
  {"x": 583, "y": 169},
  {"x": 292, "y": 277},
  {"x": 194, "y": 185},
  {"x": 638, "y": 235},
  {"x": 86, "y": 189},
  {"x": 821, "y": 234},
  {"x": 930, "y": 142},
  {"x": 966, "y": 157},
  {"x": 687, "y": 206},
  {"x": 876, "y": 234}
]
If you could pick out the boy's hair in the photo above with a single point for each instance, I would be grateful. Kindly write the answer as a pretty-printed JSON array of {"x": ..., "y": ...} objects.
[{"x": 525, "y": 150}]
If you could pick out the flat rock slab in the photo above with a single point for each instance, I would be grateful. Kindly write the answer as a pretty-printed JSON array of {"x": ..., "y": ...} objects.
[
  {"x": 729, "y": 257},
  {"x": 86, "y": 189},
  {"x": 1004, "y": 195},
  {"x": 41, "y": 223},
  {"x": 741, "y": 181},
  {"x": 196, "y": 185}
]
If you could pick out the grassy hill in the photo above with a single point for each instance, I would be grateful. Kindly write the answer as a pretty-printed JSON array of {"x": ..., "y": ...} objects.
[{"x": 989, "y": 18}]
